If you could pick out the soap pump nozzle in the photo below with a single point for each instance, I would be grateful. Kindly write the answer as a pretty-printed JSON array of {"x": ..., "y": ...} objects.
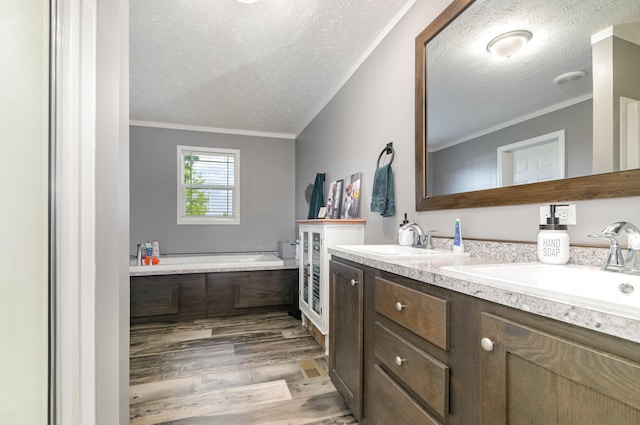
[{"x": 553, "y": 221}]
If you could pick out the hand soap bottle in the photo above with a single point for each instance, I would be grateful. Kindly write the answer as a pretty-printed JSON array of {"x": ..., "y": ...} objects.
[
  {"x": 553, "y": 240},
  {"x": 405, "y": 236}
]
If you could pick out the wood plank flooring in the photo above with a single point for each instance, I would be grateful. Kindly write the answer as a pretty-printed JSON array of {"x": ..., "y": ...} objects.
[{"x": 262, "y": 369}]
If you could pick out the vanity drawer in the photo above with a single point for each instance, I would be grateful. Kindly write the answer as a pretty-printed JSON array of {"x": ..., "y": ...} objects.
[
  {"x": 422, "y": 314},
  {"x": 425, "y": 376},
  {"x": 392, "y": 405}
]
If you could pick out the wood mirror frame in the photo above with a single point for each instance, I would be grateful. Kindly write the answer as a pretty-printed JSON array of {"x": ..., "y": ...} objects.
[{"x": 600, "y": 186}]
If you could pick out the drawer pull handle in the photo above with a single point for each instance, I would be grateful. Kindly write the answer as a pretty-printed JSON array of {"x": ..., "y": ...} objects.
[
  {"x": 400, "y": 360},
  {"x": 353, "y": 282},
  {"x": 486, "y": 344},
  {"x": 400, "y": 306}
]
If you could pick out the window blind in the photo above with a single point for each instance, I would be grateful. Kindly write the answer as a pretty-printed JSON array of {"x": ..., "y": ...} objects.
[{"x": 208, "y": 184}]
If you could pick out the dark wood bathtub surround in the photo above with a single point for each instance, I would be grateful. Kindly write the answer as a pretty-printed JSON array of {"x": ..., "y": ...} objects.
[{"x": 201, "y": 295}]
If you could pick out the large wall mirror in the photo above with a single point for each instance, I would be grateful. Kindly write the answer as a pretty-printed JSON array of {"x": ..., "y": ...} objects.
[{"x": 558, "y": 120}]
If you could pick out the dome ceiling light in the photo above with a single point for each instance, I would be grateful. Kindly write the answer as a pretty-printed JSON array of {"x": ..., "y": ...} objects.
[{"x": 508, "y": 44}]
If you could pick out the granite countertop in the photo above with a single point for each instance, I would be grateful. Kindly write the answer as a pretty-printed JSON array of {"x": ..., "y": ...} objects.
[{"x": 430, "y": 272}]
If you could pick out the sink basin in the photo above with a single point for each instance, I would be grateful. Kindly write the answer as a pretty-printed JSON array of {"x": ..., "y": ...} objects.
[
  {"x": 583, "y": 286},
  {"x": 399, "y": 251}
]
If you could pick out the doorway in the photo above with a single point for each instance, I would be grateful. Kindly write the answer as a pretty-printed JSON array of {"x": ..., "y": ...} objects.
[
  {"x": 629, "y": 133},
  {"x": 533, "y": 160}
]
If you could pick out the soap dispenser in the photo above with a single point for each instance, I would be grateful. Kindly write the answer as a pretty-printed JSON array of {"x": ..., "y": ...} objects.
[
  {"x": 405, "y": 236},
  {"x": 553, "y": 240}
]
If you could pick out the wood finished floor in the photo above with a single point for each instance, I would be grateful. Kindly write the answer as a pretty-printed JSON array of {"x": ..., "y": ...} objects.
[{"x": 262, "y": 369}]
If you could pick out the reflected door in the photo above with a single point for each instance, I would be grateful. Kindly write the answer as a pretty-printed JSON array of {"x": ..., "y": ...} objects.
[
  {"x": 533, "y": 160},
  {"x": 629, "y": 134},
  {"x": 537, "y": 164}
]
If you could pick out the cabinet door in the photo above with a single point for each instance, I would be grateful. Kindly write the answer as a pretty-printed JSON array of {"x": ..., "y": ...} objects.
[
  {"x": 532, "y": 377},
  {"x": 263, "y": 290},
  {"x": 305, "y": 271},
  {"x": 316, "y": 274},
  {"x": 154, "y": 296},
  {"x": 345, "y": 333}
]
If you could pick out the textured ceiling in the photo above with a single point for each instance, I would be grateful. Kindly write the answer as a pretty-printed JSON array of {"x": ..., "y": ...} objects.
[
  {"x": 267, "y": 67},
  {"x": 469, "y": 90}
]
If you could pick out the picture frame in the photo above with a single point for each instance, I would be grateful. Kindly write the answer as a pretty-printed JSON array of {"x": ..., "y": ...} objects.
[
  {"x": 334, "y": 199},
  {"x": 322, "y": 212},
  {"x": 351, "y": 196}
]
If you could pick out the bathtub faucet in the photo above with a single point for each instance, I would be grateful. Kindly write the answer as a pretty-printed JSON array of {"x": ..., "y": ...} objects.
[{"x": 615, "y": 262}]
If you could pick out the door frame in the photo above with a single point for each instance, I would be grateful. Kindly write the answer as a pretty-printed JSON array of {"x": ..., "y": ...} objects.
[
  {"x": 505, "y": 155},
  {"x": 89, "y": 299},
  {"x": 626, "y": 148}
]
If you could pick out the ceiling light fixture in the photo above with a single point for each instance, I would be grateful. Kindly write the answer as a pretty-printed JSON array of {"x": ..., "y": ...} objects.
[
  {"x": 247, "y": 1},
  {"x": 508, "y": 44},
  {"x": 569, "y": 77}
]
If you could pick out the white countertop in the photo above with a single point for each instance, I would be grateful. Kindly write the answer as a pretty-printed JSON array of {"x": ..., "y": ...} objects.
[
  {"x": 430, "y": 272},
  {"x": 137, "y": 271}
]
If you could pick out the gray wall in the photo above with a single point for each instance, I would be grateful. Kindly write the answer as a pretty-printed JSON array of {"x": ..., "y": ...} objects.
[
  {"x": 376, "y": 106},
  {"x": 473, "y": 165},
  {"x": 266, "y": 193}
]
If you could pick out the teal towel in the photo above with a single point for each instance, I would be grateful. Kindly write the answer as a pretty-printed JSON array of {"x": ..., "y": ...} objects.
[
  {"x": 317, "y": 197},
  {"x": 384, "y": 192}
]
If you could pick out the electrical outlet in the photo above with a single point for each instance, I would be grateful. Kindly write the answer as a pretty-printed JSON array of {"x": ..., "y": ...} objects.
[{"x": 566, "y": 213}]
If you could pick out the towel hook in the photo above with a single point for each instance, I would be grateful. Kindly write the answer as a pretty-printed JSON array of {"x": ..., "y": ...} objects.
[{"x": 389, "y": 151}]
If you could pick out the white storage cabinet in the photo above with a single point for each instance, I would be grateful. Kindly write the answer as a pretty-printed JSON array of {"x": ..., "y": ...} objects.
[{"x": 316, "y": 237}]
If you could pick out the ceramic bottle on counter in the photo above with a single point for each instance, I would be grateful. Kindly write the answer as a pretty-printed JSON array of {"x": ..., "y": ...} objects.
[
  {"x": 553, "y": 240},
  {"x": 405, "y": 236}
]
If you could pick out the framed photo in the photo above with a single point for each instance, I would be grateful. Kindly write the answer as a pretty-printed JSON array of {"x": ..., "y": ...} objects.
[
  {"x": 334, "y": 199},
  {"x": 322, "y": 212},
  {"x": 351, "y": 196}
]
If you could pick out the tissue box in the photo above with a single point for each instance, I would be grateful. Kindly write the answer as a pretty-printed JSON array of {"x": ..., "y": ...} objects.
[{"x": 286, "y": 249}]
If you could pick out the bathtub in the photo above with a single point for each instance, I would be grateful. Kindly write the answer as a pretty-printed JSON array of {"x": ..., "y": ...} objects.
[{"x": 209, "y": 263}]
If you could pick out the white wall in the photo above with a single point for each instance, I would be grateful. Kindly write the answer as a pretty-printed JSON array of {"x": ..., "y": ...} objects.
[
  {"x": 23, "y": 216},
  {"x": 377, "y": 106}
]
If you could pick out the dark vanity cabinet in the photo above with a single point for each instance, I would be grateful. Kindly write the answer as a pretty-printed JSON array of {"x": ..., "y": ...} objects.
[
  {"x": 435, "y": 356},
  {"x": 559, "y": 375},
  {"x": 424, "y": 354},
  {"x": 412, "y": 367},
  {"x": 406, "y": 321},
  {"x": 346, "y": 328}
]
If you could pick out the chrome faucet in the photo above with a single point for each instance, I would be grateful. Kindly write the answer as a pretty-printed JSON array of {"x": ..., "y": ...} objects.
[
  {"x": 423, "y": 238},
  {"x": 615, "y": 261}
]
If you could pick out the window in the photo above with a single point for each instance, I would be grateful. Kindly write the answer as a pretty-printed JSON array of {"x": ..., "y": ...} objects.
[{"x": 208, "y": 185}]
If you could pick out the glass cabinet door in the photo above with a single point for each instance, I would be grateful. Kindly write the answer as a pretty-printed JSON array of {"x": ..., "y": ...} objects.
[
  {"x": 315, "y": 270},
  {"x": 306, "y": 268}
]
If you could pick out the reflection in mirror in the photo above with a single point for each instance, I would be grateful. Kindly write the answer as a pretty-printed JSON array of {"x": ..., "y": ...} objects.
[{"x": 565, "y": 106}]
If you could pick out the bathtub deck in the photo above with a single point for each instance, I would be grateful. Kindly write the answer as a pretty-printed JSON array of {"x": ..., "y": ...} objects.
[
  {"x": 250, "y": 370},
  {"x": 213, "y": 264}
]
